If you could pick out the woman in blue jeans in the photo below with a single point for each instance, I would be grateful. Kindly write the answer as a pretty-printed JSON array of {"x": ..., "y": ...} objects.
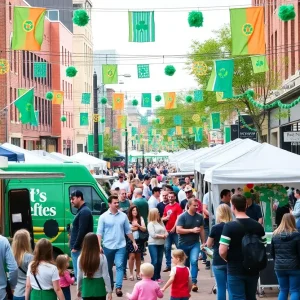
[
  {"x": 156, "y": 241},
  {"x": 223, "y": 215},
  {"x": 285, "y": 250}
]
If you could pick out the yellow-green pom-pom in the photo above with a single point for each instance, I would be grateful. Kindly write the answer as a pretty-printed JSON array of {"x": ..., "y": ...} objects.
[
  {"x": 81, "y": 17},
  {"x": 195, "y": 19},
  {"x": 286, "y": 12}
]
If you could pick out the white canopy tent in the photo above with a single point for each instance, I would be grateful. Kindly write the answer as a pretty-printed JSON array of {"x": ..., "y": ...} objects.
[
  {"x": 187, "y": 164},
  {"x": 60, "y": 157},
  {"x": 90, "y": 161},
  {"x": 263, "y": 163},
  {"x": 226, "y": 155},
  {"x": 175, "y": 159},
  {"x": 30, "y": 157},
  {"x": 175, "y": 154}
]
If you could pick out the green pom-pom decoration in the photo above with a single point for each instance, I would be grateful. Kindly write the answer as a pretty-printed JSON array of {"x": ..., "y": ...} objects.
[
  {"x": 170, "y": 70},
  {"x": 157, "y": 121},
  {"x": 63, "y": 118},
  {"x": 135, "y": 102},
  {"x": 157, "y": 98},
  {"x": 129, "y": 124},
  {"x": 203, "y": 119},
  {"x": 81, "y": 17},
  {"x": 102, "y": 120},
  {"x": 103, "y": 100},
  {"x": 188, "y": 99},
  {"x": 71, "y": 71},
  {"x": 247, "y": 195},
  {"x": 250, "y": 93},
  {"x": 286, "y": 13},
  {"x": 195, "y": 19},
  {"x": 49, "y": 96}
]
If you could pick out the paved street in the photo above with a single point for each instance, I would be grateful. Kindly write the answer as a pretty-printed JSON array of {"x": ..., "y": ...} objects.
[{"x": 205, "y": 284}]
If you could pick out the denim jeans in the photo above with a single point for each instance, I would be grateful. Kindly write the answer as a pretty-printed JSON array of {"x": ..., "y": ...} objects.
[
  {"x": 220, "y": 273},
  {"x": 115, "y": 256},
  {"x": 172, "y": 238},
  {"x": 192, "y": 253},
  {"x": 67, "y": 292},
  {"x": 156, "y": 253},
  {"x": 74, "y": 256},
  {"x": 19, "y": 298},
  {"x": 289, "y": 282},
  {"x": 182, "y": 298},
  {"x": 242, "y": 287}
]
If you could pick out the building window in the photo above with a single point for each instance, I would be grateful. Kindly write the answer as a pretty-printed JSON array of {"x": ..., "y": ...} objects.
[
  {"x": 16, "y": 141},
  {"x": 16, "y": 112},
  {"x": 9, "y": 11},
  {"x": 292, "y": 47},
  {"x": 53, "y": 15},
  {"x": 62, "y": 55}
]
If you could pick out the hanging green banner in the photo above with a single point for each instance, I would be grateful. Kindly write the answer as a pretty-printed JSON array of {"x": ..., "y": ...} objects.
[
  {"x": 85, "y": 98},
  {"x": 215, "y": 120},
  {"x": 84, "y": 119},
  {"x": 143, "y": 71},
  {"x": 146, "y": 100},
  {"x": 198, "y": 95},
  {"x": 90, "y": 145}
]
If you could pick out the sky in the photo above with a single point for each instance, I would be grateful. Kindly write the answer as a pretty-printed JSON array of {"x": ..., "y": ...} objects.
[{"x": 173, "y": 37}]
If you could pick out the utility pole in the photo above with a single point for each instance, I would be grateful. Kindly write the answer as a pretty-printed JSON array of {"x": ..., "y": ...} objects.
[
  {"x": 96, "y": 121},
  {"x": 126, "y": 150}
]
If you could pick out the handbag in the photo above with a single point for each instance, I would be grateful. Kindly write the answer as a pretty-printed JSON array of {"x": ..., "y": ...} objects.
[{"x": 143, "y": 236}]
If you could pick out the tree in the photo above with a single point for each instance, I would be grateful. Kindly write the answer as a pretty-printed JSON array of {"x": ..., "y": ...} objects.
[
  {"x": 186, "y": 111},
  {"x": 109, "y": 150},
  {"x": 244, "y": 78}
]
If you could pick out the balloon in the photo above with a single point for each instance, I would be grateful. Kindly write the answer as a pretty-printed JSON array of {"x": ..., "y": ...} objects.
[
  {"x": 250, "y": 185},
  {"x": 246, "y": 189}
]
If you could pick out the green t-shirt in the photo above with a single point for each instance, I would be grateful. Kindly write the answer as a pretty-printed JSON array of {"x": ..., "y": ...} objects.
[
  {"x": 143, "y": 208},
  {"x": 124, "y": 206}
]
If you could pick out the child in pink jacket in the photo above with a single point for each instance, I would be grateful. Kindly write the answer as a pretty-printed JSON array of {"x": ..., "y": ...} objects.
[{"x": 146, "y": 289}]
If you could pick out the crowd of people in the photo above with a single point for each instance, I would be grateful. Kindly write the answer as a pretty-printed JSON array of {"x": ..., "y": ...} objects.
[{"x": 161, "y": 218}]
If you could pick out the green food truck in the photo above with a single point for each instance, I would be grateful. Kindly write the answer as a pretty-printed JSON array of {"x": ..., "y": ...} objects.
[{"x": 42, "y": 205}]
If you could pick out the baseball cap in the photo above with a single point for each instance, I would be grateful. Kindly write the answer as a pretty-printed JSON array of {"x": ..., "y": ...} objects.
[
  {"x": 77, "y": 193},
  {"x": 188, "y": 188}
]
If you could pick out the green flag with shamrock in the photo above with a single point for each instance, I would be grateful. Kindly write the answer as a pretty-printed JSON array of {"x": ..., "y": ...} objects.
[
  {"x": 221, "y": 77},
  {"x": 141, "y": 26},
  {"x": 84, "y": 119},
  {"x": 25, "y": 105},
  {"x": 146, "y": 100},
  {"x": 215, "y": 121},
  {"x": 110, "y": 74},
  {"x": 259, "y": 64}
]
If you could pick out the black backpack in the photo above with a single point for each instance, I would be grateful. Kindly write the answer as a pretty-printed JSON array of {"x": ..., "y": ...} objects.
[{"x": 254, "y": 253}]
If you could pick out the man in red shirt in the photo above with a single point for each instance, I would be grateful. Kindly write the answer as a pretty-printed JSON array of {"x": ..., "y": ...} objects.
[{"x": 171, "y": 213}]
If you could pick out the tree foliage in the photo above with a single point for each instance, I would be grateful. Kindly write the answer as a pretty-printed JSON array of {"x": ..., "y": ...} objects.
[
  {"x": 109, "y": 149},
  {"x": 219, "y": 47}
]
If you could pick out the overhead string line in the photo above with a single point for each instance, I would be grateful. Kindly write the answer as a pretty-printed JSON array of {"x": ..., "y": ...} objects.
[{"x": 162, "y": 9}]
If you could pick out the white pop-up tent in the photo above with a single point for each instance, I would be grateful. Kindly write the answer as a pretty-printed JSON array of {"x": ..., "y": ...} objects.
[
  {"x": 174, "y": 159},
  {"x": 90, "y": 161},
  {"x": 30, "y": 157},
  {"x": 226, "y": 155},
  {"x": 187, "y": 164},
  {"x": 262, "y": 164}
]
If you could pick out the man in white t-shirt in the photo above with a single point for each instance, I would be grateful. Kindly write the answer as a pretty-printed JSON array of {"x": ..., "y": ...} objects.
[
  {"x": 121, "y": 183},
  {"x": 155, "y": 198},
  {"x": 146, "y": 189},
  {"x": 181, "y": 194}
]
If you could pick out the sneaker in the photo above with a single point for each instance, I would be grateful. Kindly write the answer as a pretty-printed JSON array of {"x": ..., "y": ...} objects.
[
  {"x": 167, "y": 269},
  {"x": 194, "y": 287},
  {"x": 119, "y": 292}
]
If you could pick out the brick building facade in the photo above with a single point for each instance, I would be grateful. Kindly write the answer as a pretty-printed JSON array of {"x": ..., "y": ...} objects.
[{"x": 57, "y": 45}]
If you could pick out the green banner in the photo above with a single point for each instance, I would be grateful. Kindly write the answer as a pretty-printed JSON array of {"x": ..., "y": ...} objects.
[{"x": 90, "y": 145}]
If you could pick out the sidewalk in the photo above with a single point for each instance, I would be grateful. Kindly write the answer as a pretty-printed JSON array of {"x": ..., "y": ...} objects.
[{"x": 205, "y": 284}]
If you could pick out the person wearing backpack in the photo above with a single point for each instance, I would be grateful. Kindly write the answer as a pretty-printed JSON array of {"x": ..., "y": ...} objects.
[
  {"x": 242, "y": 245},
  {"x": 285, "y": 250}
]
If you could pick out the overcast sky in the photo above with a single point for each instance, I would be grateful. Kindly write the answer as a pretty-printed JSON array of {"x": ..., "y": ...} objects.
[{"x": 173, "y": 37}]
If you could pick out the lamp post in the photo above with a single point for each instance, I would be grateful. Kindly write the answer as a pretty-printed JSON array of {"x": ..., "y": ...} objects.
[{"x": 96, "y": 121}]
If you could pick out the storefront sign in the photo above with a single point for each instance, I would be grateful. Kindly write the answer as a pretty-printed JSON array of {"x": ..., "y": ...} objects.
[
  {"x": 244, "y": 132},
  {"x": 292, "y": 136}
]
